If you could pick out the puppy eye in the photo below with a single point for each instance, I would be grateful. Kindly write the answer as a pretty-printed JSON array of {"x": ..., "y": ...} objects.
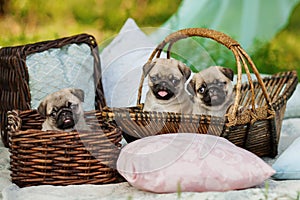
[
  {"x": 153, "y": 78},
  {"x": 202, "y": 89},
  {"x": 53, "y": 113},
  {"x": 74, "y": 106},
  {"x": 175, "y": 81}
]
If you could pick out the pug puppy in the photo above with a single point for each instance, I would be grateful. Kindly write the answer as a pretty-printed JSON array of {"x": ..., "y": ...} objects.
[
  {"x": 167, "y": 78},
  {"x": 63, "y": 110},
  {"x": 212, "y": 90}
]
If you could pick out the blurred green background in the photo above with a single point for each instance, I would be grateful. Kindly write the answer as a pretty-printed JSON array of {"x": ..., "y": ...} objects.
[
  {"x": 26, "y": 21},
  {"x": 282, "y": 53},
  {"x": 29, "y": 21}
]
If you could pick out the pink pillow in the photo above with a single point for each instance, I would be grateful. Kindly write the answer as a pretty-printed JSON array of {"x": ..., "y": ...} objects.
[{"x": 190, "y": 163}]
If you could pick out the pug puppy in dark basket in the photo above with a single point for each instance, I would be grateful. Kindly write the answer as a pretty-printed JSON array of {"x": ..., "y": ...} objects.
[
  {"x": 212, "y": 89},
  {"x": 63, "y": 110},
  {"x": 167, "y": 78}
]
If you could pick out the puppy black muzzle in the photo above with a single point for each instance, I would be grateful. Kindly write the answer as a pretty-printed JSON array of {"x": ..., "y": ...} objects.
[
  {"x": 214, "y": 95},
  {"x": 163, "y": 90},
  {"x": 65, "y": 119}
]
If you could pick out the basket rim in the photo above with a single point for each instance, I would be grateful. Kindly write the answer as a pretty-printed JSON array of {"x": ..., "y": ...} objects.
[{"x": 136, "y": 113}]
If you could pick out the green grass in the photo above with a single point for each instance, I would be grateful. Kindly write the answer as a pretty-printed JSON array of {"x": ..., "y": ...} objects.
[
  {"x": 266, "y": 192},
  {"x": 29, "y": 21}
]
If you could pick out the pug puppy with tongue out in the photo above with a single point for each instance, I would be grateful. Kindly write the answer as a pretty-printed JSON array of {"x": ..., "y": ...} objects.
[{"x": 166, "y": 80}]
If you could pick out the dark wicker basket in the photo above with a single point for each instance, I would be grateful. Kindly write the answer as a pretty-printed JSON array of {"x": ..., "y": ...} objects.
[
  {"x": 54, "y": 157},
  {"x": 62, "y": 158},
  {"x": 14, "y": 87},
  {"x": 257, "y": 129}
]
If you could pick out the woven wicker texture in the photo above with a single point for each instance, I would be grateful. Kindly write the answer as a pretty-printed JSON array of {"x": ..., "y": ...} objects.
[
  {"x": 14, "y": 87},
  {"x": 54, "y": 157},
  {"x": 257, "y": 128},
  {"x": 62, "y": 158}
]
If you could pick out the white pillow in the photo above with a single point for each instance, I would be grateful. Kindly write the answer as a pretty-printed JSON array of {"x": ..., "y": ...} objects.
[
  {"x": 122, "y": 61},
  {"x": 293, "y": 105},
  {"x": 287, "y": 166},
  {"x": 57, "y": 68},
  {"x": 191, "y": 162}
]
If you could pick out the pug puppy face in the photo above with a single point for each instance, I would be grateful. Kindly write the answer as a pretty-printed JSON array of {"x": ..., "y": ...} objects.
[
  {"x": 166, "y": 80},
  {"x": 63, "y": 110},
  {"x": 213, "y": 90}
]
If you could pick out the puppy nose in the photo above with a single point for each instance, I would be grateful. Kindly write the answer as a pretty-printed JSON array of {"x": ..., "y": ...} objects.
[
  {"x": 65, "y": 113},
  {"x": 212, "y": 91},
  {"x": 163, "y": 83}
]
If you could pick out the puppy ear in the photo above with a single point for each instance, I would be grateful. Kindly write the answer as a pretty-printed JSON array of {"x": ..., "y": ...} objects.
[
  {"x": 78, "y": 93},
  {"x": 227, "y": 72},
  {"x": 148, "y": 66},
  {"x": 185, "y": 70},
  {"x": 42, "y": 109},
  {"x": 191, "y": 87}
]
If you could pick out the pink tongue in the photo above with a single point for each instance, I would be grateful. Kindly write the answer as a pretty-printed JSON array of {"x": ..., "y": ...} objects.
[
  {"x": 67, "y": 121},
  {"x": 162, "y": 93},
  {"x": 214, "y": 97}
]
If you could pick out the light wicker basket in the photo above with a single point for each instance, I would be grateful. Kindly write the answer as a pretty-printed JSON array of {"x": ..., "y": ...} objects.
[{"x": 257, "y": 129}]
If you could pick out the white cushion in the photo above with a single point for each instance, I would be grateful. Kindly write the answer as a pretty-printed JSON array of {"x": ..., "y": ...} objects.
[
  {"x": 57, "y": 68},
  {"x": 287, "y": 166},
  {"x": 122, "y": 62}
]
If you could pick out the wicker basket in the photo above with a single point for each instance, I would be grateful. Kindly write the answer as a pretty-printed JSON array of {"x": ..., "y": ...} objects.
[
  {"x": 14, "y": 87},
  {"x": 54, "y": 157},
  {"x": 257, "y": 129},
  {"x": 62, "y": 158}
]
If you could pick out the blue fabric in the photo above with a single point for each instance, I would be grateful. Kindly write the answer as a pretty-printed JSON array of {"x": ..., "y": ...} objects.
[
  {"x": 287, "y": 166},
  {"x": 246, "y": 21},
  {"x": 251, "y": 23},
  {"x": 57, "y": 68}
]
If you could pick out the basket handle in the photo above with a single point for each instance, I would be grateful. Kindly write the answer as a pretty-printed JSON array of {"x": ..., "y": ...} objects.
[{"x": 241, "y": 57}]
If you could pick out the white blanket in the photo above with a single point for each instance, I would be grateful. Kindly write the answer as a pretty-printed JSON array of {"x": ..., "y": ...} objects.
[
  {"x": 280, "y": 190},
  {"x": 276, "y": 189}
]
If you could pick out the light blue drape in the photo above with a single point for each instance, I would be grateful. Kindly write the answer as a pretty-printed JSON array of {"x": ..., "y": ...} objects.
[{"x": 250, "y": 22}]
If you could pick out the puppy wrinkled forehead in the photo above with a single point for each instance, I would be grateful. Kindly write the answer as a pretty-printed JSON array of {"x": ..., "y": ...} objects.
[
  {"x": 166, "y": 66},
  {"x": 211, "y": 74},
  {"x": 61, "y": 99},
  {"x": 167, "y": 62}
]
